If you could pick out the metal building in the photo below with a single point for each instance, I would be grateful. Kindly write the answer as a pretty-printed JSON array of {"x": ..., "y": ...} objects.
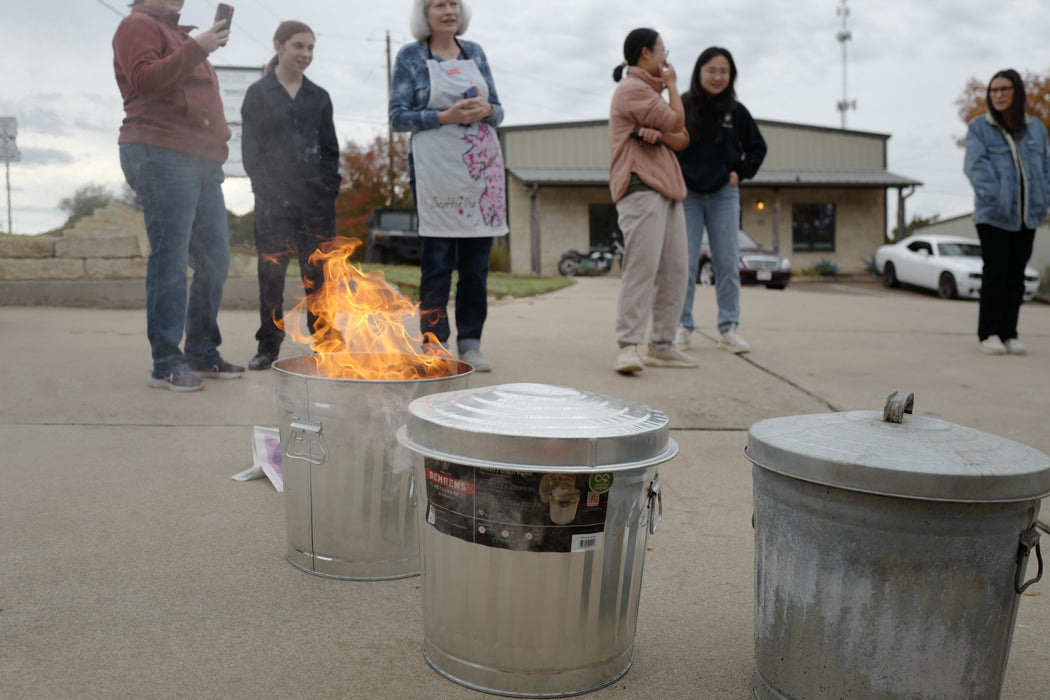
[{"x": 820, "y": 194}]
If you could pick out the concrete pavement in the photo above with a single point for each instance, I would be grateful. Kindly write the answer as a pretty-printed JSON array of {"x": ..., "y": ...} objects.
[{"x": 131, "y": 565}]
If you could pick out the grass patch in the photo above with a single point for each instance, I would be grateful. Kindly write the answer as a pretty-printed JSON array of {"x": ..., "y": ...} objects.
[{"x": 501, "y": 284}]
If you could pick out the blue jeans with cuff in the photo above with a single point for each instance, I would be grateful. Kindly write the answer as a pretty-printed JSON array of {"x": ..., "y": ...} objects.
[{"x": 438, "y": 258}]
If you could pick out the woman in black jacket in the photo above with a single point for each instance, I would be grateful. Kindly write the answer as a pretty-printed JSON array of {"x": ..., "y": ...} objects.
[
  {"x": 291, "y": 154},
  {"x": 725, "y": 147}
]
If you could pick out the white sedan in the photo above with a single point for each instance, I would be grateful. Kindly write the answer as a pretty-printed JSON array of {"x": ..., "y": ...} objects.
[{"x": 949, "y": 265}]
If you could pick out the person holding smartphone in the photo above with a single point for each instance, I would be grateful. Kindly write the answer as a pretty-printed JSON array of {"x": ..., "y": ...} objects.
[
  {"x": 172, "y": 147},
  {"x": 442, "y": 91},
  {"x": 291, "y": 154}
]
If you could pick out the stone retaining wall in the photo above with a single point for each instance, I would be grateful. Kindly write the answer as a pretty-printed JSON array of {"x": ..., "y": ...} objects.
[{"x": 110, "y": 244}]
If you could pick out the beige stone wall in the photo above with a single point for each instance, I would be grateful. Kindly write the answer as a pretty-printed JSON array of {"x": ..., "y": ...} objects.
[
  {"x": 110, "y": 244},
  {"x": 860, "y": 219},
  {"x": 564, "y": 223}
]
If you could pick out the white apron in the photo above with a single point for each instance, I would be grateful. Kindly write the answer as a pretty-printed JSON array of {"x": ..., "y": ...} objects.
[{"x": 459, "y": 169}]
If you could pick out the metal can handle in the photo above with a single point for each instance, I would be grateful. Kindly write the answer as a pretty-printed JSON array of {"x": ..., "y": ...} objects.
[
  {"x": 657, "y": 514},
  {"x": 1029, "y": 541},
  {"x": 897, "y": 405},
  {"x": 302, "y": 440}
]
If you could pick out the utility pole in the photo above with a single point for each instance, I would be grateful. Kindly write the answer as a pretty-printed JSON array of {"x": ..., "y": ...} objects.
[
  {"x": 389, "y": 129},
  {"x": 843, "y": 36},
  {"x": 9, "y": 152}
]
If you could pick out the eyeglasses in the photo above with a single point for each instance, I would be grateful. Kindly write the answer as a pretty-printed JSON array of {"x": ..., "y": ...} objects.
[{"x": 1001, "y": 90}]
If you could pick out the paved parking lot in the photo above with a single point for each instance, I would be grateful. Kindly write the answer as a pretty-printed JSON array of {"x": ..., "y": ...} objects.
[{"x": 131, "y": 565}]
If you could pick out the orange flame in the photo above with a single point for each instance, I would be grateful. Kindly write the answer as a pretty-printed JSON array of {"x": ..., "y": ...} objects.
[{"x": 361, "y": 323}]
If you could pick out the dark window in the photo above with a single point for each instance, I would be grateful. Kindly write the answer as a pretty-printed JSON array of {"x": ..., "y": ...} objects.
[
  {"x": 813, "y": 228},
  {"x": 603, "y": 221}
]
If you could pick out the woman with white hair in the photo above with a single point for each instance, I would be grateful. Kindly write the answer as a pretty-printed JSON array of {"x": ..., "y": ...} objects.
[{"x": 442, "y": 91}]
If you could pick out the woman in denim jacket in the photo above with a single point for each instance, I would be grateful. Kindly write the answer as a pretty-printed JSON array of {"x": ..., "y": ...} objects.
[{"x": 1008, "y": 164}]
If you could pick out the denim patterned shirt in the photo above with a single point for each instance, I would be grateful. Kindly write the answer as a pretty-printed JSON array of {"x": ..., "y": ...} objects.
[{"x": 410, "y": 87}]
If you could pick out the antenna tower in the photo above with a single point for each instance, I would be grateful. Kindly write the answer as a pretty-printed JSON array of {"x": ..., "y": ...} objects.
[{"x": 843, "y": 36}]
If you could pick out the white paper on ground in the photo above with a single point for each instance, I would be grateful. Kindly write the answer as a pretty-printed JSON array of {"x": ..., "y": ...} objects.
[{"x": 266, "y": 457}]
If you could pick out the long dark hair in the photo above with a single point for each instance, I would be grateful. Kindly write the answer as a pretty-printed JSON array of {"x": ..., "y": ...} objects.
[
  {"x": 1016, "y": 108},
  {"x": 637, "y": 40},
  {"x": 703, "y": 113},
  {"x": 285, "y": 31}
]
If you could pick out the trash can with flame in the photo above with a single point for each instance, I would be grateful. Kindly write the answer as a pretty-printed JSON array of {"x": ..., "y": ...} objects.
[
  {"x": 890, "y": 554},
  {"x": 349, "y": 510},
  {"x": 536, "y": 506}
]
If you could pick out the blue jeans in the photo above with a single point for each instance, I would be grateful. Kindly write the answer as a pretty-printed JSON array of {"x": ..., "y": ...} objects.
[
  {"x": 181, "y": 197},
  {"x": 719, "y": 212},
  {"x": 438, "y": 257}
]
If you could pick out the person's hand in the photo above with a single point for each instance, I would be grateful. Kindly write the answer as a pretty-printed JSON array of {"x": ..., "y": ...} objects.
[
  {"x": 734, "y": 179},
  {"x": 668, "y": 75},
  {"x": 650, "y": 135},
  {"x": 213, "y": 38},
  {"x": 466, "y": 111}
]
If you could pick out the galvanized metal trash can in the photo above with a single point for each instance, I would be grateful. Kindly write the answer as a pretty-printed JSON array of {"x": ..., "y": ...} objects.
[
  {"x": 889, "y": 557},
  {"x": 534, "y": 519},
  {"x": 349, "y": 510}
]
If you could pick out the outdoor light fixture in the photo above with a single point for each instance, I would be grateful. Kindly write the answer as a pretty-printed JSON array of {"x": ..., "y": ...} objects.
[{"x": 760, "y": 205}]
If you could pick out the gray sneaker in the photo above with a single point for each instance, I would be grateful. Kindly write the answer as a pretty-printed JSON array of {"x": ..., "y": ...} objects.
[
  {"x": 475, "y": 359},
  {"x": 682, "y": 339},
  {"x": 629, "y": 360},
  {"x": 732, "y": 342},
  {"x": 671, "y": 357},
  {"x": 1015, "y": 347},
  {"x": 993, "y": 346},
  {"x": 176, "y": 381}
]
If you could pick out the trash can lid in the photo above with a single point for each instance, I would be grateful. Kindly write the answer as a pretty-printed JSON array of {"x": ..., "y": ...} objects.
[
  {"x": 537, "y": 427},
  {"x": 920, "y": 457}
]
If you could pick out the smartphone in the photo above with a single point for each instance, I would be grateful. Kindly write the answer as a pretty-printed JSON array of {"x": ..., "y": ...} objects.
[
  {"x": 471, "y": 91},
  {"x": 224, "y": 12}
]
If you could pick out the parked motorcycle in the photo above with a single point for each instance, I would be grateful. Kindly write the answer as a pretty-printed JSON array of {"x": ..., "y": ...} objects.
[{"x": 597, "y": 262}]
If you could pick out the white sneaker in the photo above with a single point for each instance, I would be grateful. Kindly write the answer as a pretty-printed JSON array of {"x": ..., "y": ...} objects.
[
  {"x": 992, "y": 346},
  {"x": 629, "y": 360},
  {"x": 1015, "y": 347},
  {"x": 671, "y": 357},
  {"x": 475, "y": 359},
  {"x": 732, "y": 342},
  {"x": 682, "y": 338}
]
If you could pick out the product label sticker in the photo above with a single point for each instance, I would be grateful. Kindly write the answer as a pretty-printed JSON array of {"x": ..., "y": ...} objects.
[{"x": 527, "y": 511}]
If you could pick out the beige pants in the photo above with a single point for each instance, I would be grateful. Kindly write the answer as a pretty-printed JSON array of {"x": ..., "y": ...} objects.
[{"x": 655, "y": 267}]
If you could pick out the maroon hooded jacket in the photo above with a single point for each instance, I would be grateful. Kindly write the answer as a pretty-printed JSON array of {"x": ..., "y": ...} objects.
[{"x": 171, "y": 94}]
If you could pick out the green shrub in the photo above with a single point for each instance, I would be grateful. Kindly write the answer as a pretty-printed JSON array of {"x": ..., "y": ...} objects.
[{"x": 826, "y": 268}]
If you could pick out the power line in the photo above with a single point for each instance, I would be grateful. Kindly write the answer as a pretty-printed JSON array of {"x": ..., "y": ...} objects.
[{"x": 107, "y": 5}]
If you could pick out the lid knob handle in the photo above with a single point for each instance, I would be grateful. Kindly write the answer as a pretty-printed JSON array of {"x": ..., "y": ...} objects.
[{"x": 897, "y": 405}]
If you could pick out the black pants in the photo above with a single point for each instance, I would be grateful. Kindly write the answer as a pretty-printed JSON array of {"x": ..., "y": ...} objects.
[
  {"x": 1005, "y": 254},
  {"x": 279, "y": 232}
]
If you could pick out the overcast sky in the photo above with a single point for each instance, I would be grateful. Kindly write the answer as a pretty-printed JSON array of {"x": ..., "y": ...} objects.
[{"x": 552, "y": 61}]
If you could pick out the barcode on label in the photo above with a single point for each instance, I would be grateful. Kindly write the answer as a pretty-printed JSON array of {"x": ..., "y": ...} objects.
[{"x": 587, "y": 543}]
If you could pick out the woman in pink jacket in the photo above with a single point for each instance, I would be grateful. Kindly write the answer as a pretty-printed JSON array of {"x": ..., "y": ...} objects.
[{"x": 647, "y": 187}]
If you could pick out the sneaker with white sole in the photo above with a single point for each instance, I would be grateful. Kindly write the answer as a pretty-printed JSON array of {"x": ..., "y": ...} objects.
[
  {"x": 992, "y": 346},
  {"x": 629, "y": 360},
  {"x": 671, "y": 357},
  {"x": 732, "y": 342},
  {"x": 1015, "y": 347},
  {"x": 176, "y": 381},
  {"x": 219, "y": 370},
  {"x": 682, "y": 339},
  {"x": 475, "y": 359}
]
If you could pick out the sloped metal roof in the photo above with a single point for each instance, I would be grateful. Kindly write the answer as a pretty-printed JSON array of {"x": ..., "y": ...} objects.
[
  {"x": 817, "y": 178},
  {"x": 583, "y": 177}
]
